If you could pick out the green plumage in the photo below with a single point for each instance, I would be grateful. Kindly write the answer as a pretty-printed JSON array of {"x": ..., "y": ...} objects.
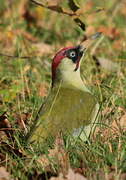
[
  {"x": 65, "y": 109},
  {"x": 70, "y": 108}
]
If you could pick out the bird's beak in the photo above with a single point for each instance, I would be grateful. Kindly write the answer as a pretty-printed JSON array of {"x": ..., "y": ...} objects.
[
  {"x": 83, "y": 46},
  {"x": 89, "y": 41}
]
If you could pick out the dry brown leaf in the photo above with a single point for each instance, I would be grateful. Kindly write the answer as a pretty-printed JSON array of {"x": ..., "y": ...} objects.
[
  {"x": 122, "y": 121},
  {"x": 118, "y": 44},
  {"x": 111, "y": 175},
  {"x": 108, "y": 65},
  {"x": 4, "y": 123},
  {"x": 75, "y": 176},
  {"x": 60, "y": 177},
  {"x": 4, "y": 175},
  {"x": 46, "y": 161},
  {"x": 5, "y": 127},
  {"x": 85, "y": 8},
  {"x": 26, "y": 68},
  {"x": 107, "y": 111},
  {"x": 90, "y": 30},
  {"x": 54, "y": 2},
  {"x": 58, "y": 155},
  {"x": 123, "y": 9},
  {"x": 22, "y": 119},
  {"x": 22, "y": 7},
  {"x": 11, "y": 34},
  {"x": 43, "y": 48},
  {"x": 3, "y": 136},
  {"x": 62, "y": 155},
  {"x": 119, "y": 124},
  {"x": 111, "y": 32},
  {"x": 70, "y": 176},
  {"x": 43, "y": 89},
  {"x": 2, "y": 158},
  {"x": 54, "y": 7}
]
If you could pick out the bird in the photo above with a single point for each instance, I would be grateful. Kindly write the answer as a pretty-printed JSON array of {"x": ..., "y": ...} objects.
[{"x": 70, "y": 107}]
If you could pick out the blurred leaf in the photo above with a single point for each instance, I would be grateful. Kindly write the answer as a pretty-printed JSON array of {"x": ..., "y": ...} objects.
[
  {"x": 122, "y": 55},
  {"x": 56, "y": 8},
  {"x": 122, "y": 121},
  {"x": 3, "y": 137},
  {"x": 54, "y": 2},
  {"x": 70, "y": 176},
  {"x": 22, "y": 120},
  {"x": 4, "y": 123},
  {"x": 62, "y": 10},
  {"x": 57, "y": 155},
  {"x": 43, "y": 48},
  {"x": 107, "y": 64},
  {"x": 111, "y": 32},
  {"x": 4, "y": 175},
  {"x": 43, "y": 90},
  {"x": 76, "y": 176},
  {"x": 9, "y": 94},
  {"x": 40, "y": 12},
  {"x": 80, "y": 23},
  {"x": 78, "y": 3},
  {"x": 72, "y": 5},
  {"x": 5, "y": 126},
  {"x": 4, "y": 4}
]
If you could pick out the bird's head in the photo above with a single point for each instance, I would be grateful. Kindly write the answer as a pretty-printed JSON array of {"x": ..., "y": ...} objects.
[{"x": 67, "y": 60}]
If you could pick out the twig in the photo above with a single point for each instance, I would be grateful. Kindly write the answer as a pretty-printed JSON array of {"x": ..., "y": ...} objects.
[
  {"x": 53, "y": 8},
  {"x": 22, "y": 57},
  {"x": 59, "y": 9}
]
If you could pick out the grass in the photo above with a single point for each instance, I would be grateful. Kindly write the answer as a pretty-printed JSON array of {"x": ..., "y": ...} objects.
[{"x": 24, "y": 82}]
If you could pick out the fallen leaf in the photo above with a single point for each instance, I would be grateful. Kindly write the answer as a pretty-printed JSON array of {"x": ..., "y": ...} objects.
[
  {"x": 108, "y": 64},
  {"x": 122, "y": 121},
  {"x": 2, "y": 158},
  {"x": 47, "y": 160},
  {"x": 70, "y": 176},
  {"x": 60, "y": 177},
  {"x": 43, "y": 89},
  {"x": 75, "y": 176},
  {"x": 3, "y": 136},
  {"x": 5, "y": 125},
  {"x": 54, "y": 2},
  {"x": 111, "y": 32},
  {"x": 4, "y": 175},
  {"x": 58, "y": 155},
  {"x": 90, "y": 30},
  {"x": 118, "y": 44},
  {"x": 21, "y": 120},
  {"x": 107, "y": 111},
  {"x": 54, "y": 7},
  {"x": 85, "y": 8},
  {"x": 43, "y": 48}
]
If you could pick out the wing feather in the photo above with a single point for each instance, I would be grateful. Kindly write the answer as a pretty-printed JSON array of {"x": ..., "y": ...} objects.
[{"x": 64, "y": 110}]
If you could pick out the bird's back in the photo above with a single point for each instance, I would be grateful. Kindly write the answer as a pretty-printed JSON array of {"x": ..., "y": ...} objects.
[{"x": 65, "y": 110}]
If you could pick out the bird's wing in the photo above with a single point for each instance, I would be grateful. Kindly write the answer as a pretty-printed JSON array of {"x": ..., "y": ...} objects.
[{"x": 64, "y": 110}]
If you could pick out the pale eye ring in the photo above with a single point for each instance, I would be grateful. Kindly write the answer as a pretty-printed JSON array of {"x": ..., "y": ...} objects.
[{"x": 72, "y": 54}]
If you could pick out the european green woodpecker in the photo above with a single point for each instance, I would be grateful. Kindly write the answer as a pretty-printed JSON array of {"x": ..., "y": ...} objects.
[{"x": 70, "y": 107}]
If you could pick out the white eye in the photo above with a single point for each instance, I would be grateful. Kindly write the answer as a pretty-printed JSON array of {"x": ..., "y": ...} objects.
[{"x": 72, "y": 54}]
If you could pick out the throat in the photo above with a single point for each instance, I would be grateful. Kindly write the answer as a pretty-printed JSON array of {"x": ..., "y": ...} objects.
[{"x": 71, "y": 80}]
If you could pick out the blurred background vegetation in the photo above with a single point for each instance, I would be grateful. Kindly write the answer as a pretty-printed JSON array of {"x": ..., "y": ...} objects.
[{"x": 30, "y": 35}]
